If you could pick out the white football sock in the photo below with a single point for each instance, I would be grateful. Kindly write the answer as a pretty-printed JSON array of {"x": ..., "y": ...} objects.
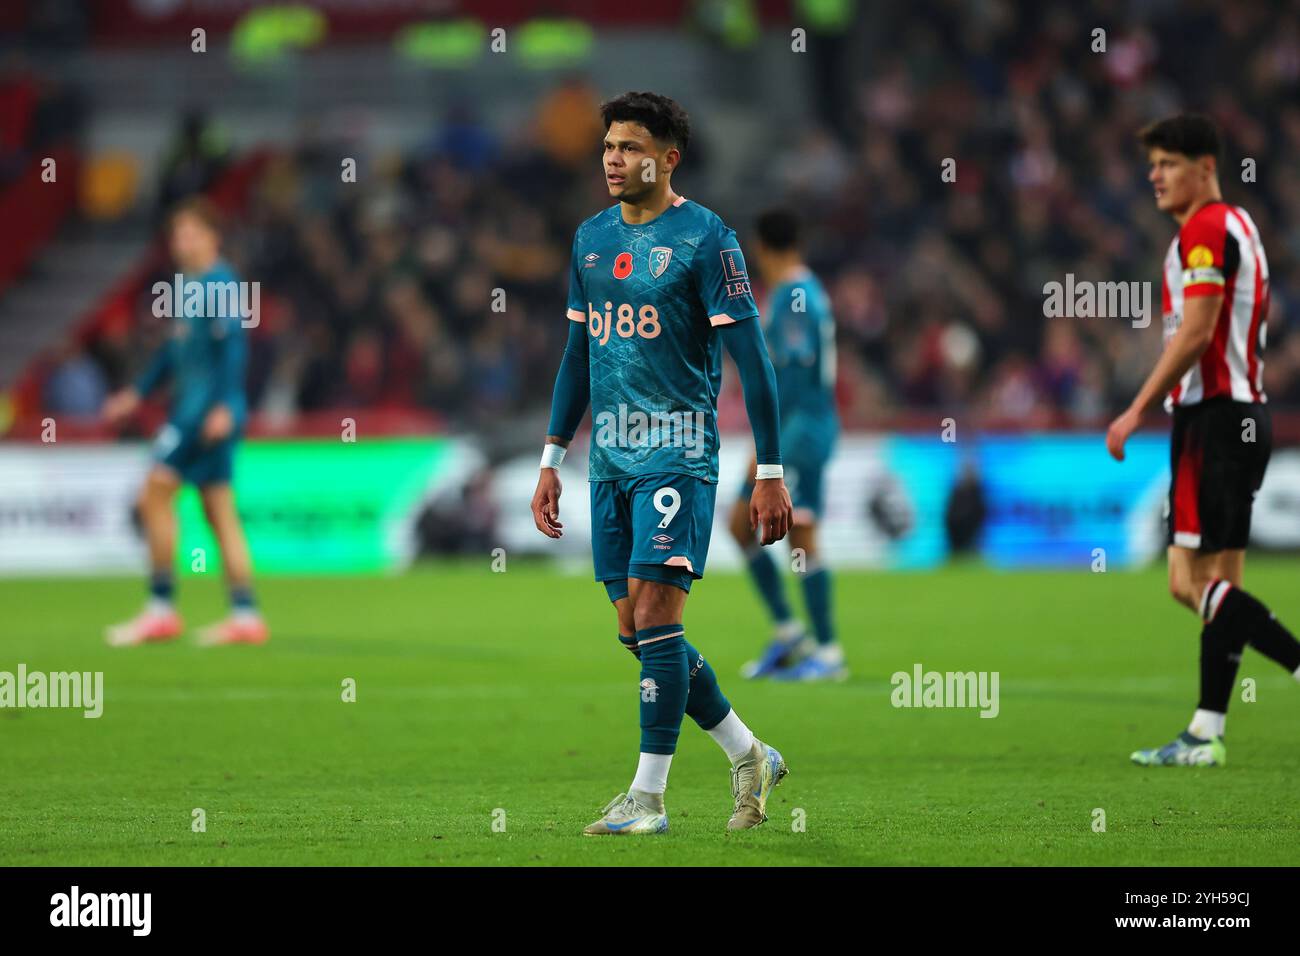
[
  {"x": 652, "y": 773},
  {"x": 1207, "y": 724},
  {"x": 831, "y": 654},
  {"x": 789, "y": 631},
  {"x": 157, "y": 605},
  {"x": 1296, "y": 673},
  {"x": 733, "y": 736}
]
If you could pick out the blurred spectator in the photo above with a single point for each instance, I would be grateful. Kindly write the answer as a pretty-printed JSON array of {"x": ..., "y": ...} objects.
[
  {"x": 193, "y": 160},
  {"x": 76, "y": 385},
  {"x": 438, "y": 279}
]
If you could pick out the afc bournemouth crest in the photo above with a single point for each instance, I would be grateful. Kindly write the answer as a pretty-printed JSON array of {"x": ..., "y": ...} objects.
[{"x": 660, "y": 256}]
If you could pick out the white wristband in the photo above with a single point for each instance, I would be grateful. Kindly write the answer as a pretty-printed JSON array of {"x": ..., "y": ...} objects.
[
  {"x": 768, "y": 471},
  {"x": 552, "y": 456}
]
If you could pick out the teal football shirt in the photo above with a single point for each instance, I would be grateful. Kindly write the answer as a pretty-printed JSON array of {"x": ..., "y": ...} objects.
[
  {"x": 206, "y": 354},
  {"x": 652, "y": 297},
  {"x": 800, "y": 334}
]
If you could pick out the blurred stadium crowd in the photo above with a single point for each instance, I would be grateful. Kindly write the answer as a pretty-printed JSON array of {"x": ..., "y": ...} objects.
[{"x": 380, "y": 293}]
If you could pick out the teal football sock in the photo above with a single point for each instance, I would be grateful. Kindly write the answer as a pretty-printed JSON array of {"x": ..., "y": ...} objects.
[
  {"x": 705, "y": 703},
  {"x": 241, "y": 598},
  {"x": 817, "y": 597},
  {"x": 768, "y": 581},
  {"x": 161, "y": 587},
  {"x": 665, "y": 683}
]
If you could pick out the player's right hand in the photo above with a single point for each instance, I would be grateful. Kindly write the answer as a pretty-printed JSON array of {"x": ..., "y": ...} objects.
[
  {"x": 1119, "y": 431},
  {"x": 120, "y": 405},
  {"x": 546, "y": 503}
]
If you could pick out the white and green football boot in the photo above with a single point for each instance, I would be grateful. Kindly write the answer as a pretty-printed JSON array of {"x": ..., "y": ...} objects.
[
  {"x": 633, "y": 812},
  {"x": 1184, "y": 751},
  {"x": 752, "y": 782}
]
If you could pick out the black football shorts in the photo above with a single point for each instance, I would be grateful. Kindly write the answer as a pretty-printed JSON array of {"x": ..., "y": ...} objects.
[{"x": 1218, "y": 452}]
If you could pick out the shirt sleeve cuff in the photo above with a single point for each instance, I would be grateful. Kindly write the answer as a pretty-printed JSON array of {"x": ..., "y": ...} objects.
[{"x": 723, "y": 318}]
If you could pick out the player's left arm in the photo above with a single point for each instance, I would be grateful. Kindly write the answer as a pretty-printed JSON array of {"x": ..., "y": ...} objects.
[
  {"x": 1194, "y": 335},
  {"x": 770, "y": 508},
  {"x": 722, "y": 282}
]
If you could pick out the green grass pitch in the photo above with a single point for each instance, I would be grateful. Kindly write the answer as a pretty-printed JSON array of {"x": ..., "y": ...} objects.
[{"x": 480, "y": 692}]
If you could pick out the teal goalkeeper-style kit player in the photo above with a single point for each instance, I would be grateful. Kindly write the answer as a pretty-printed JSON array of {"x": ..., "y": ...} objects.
[
  {"x": 801, "y": 338},
  {"x": 204, "y": 360},
  {"x": 657, "y": 286}
]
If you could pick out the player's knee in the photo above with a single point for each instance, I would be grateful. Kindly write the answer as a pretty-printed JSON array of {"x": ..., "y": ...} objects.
[
  {"x": 1181, "y": 589},
  {"x": 739, "y": 526},
  {"x": 1195, "y": 590},
  {"x": 155, "y": 493},
  {"x": 642, "y": 615},
  {"x": 651, "y": 610},
  {"x": 1176, "y": 588},
  {"x": 801, "y": 540}
]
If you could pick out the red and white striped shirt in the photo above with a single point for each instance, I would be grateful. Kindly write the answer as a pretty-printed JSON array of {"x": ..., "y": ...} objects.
[{"x": 1218, "y": 251}]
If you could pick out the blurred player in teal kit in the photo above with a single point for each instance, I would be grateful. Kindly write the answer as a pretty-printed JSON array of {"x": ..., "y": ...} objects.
[
  {"x": 204, "y": 359},
  {"x": 657, "y": 285},
  {"x": 801, "y": 339}
]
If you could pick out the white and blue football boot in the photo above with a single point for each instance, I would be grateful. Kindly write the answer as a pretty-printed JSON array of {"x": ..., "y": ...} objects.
[
  {"x": 823, "y": 664},
  {"x": 1184, "y": 751},
  {"x": 752, "y": 781},
  {"x": 633, "y": 812}
]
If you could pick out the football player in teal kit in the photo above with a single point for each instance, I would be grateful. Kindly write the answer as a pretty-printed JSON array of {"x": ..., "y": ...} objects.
[
  {"x": 204, "y": 360},
  {"x": 657, "y": 286},
  {"x": 801, "y": 336}
]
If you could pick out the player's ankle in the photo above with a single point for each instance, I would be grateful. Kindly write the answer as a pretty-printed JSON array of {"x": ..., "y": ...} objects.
[{"x": 789, "y": 630}]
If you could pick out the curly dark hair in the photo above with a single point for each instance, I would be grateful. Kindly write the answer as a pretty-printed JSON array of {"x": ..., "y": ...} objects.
[{"x": 663, "y": 117}]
